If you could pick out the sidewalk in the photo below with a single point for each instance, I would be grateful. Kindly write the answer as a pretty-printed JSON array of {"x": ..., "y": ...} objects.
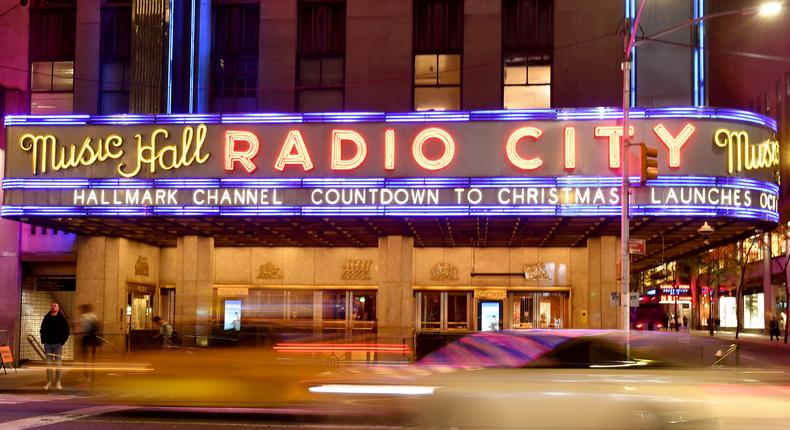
[
  {"x": 756, "y": 339},
  {"x": 32, "y": 379}
]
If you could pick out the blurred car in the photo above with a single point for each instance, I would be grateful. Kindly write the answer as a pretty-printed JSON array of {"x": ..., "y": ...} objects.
[
  {"x": 567, "y": 379},
  {"x": 211, "y": 377}
]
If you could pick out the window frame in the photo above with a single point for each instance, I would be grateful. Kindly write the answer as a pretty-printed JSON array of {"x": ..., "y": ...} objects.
[
  {"x": 417, "y": 50},
  {"x": 320, "y": 54},
  {"x": 125, "y": 61},
  {"x": 232, "y": 94},
  {"x": 444, "y": 318},
  {"x": 526, "y": 50}
]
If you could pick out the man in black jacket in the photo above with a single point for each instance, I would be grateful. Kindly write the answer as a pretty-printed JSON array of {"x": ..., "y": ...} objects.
[{"x": 54, "y": 333}]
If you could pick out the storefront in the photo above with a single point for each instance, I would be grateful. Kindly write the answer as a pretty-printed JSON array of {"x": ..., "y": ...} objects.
[{"x": 379, "y": 225}]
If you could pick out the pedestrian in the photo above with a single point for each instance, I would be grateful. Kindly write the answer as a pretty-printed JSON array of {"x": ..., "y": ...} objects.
[
  {"x": 165, "y": 332},
  {"x": 666, "y": 322},
  {"x": 710, "y": 325},
  {"x": 89, "y": 328},
  {"x": 718, "y": 325},
  {"x": 54, "y": 334},
  {"x": 685, "y": 321},
  {"x": 677, "y": 322},
  {"x": 773, "y": 329}
]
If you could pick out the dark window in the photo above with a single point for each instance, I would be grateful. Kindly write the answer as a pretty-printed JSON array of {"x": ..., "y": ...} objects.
[
  {"x": 32, "y": 230},
  {"x": 322, "y": 55},
  {"x": 234, "y": 82},
  {"x": 527, "y": 45},
  {"x": 53, "y": 25},
  {"x": 116, "y": 46},
  {"x": 438, "y": 48}
]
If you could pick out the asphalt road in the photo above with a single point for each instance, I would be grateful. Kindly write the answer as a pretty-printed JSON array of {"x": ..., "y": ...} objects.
[{"x": 65, "y": 410}]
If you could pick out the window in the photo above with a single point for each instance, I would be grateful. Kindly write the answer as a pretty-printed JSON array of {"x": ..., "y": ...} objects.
[
  {"x": 528, "y": 42},
  {"x": 438, "y": 45},
  {"x": 444, "y": 310},
  {"x": 52, "y": 38},
  {"x": 540, "y": 310},
  {"x": 331, "y": 310},
  {"x": 321, "y": 56},
  {"x": 234, "y": 63},
  {"x": 116, "y": 46}
]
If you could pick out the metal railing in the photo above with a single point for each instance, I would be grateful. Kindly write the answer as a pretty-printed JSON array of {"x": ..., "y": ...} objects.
[
  {"x": 722, "y": 355},
  {"x": 37, "y": 347}
]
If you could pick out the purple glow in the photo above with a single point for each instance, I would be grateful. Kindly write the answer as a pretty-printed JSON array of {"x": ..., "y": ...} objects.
[{"x": 600, "y": 113}]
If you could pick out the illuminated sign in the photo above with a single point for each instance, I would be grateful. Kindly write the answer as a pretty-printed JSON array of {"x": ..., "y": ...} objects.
[
  {"x": 487, "y": 163},
  {"x": 675, "y": 294}
]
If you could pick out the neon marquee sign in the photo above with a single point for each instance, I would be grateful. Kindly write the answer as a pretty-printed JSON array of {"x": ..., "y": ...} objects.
[{"x": 486, "y": 163}]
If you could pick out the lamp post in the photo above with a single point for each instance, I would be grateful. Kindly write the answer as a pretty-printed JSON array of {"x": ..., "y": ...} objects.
[{"x": 767, "y": 9}]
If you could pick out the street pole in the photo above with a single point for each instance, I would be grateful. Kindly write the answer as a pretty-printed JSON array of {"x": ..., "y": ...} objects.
[{"x": 625, "y": 276}]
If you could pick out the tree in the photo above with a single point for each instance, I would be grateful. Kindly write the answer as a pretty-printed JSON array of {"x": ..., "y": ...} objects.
[
  {"x": 716, "y": 264},
  {"x": 740, "y": 262}
]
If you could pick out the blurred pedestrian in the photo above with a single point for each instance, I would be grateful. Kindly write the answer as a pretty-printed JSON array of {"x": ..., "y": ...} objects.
[
  {"x": 685, "y": 321},
  {"x": 666, "y": 322},
  {"x": 54, "y": 334},
  {"x": 166, "y": 331},
  {"x": 718, "y": 325},
  {"x": 89, "y": 329},
  {"x": 676, "y": 322},
  {"x": 773, "y": 329},
  {"x": 710, "y": 325}
]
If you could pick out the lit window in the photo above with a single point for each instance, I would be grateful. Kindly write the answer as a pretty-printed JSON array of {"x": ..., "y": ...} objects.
[
  {"x": 528, "y": 40},
  {"x": 437, "y": 54},
  {"x": 444, "y": 310}
]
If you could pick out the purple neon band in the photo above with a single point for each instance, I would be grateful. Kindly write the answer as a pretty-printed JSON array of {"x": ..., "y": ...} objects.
[{"x": 602, "y": 113}]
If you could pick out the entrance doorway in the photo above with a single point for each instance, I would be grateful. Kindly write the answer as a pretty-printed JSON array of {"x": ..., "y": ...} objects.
[{"x": 139, "y": 317}]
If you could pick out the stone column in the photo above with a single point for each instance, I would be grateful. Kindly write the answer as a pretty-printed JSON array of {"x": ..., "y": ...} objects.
[
  {"x": 602, "y": 281},
  {"x": 395, "y": 302},
  {"x": 99, "y": 283},
  {"x": 194, "y": 282}
]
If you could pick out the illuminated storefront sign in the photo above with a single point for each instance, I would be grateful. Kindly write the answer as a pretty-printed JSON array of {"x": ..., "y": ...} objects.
[
  {"x": 536, "y": 163},
  {"x": 675, "y": 294}
]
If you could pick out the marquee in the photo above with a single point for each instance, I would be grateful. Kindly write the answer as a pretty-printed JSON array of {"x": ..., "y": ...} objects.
[{"x": 712, "y": 162}]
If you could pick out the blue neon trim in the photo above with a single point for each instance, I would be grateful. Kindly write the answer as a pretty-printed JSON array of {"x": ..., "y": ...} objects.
[
  {"x": 170, "y": 59},
  {"x": 450, "y": 182},
  {"x": 397, "y": 211},
  {"x": 191, "y": 58},
  {"x": 598, "y": 113}
]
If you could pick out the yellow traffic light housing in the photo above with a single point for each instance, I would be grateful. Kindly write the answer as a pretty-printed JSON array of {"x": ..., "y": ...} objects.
[{"x": 648, "y": 158}]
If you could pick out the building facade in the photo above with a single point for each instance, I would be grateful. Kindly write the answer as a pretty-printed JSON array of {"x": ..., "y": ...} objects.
[{"x": 326, "y": 274}]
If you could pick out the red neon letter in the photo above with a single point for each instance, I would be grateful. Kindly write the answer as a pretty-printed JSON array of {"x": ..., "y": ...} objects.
[
  {"x": 294, "y": 141},
  {"x": 613, "y": 133},
  {"x": 570, "y": 148},
  {"x": 340, "y": 136},
  {"x": 674, "y": 143},
  {"x": 389, "y": 149},
  {"x": 244, "y": 157},
  {"x": 442, "y": 136},
  {"x": 512, "y": 154}
]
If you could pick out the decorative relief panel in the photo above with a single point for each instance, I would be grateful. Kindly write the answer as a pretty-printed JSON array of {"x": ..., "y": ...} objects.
[
  {"x": 444, "y": 272},
  {"x": 356, "y": 270},
  {"x": 535, "y": 272},
  {"x": 141, "y": 266},
  {"x": 268, "y": 270}
]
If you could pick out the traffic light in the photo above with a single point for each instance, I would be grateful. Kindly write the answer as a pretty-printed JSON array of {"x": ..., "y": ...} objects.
[{"x": 648, "y": 159}]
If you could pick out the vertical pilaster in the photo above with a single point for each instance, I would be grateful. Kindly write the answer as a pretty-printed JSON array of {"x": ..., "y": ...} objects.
[
  {"x": 482, "y": 69},
  {"x": 395, "y": 307},
  {"x": 86, "y": 57},
  {"x": 194, "y": 282},
  {"x": 99, "y": 282},
  {"x": 277, "y": 64},
  {"x": 602, "y": 281}
]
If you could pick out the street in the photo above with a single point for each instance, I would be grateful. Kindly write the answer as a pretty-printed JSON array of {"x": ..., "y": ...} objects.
[{"x": 27, "y": 406}]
